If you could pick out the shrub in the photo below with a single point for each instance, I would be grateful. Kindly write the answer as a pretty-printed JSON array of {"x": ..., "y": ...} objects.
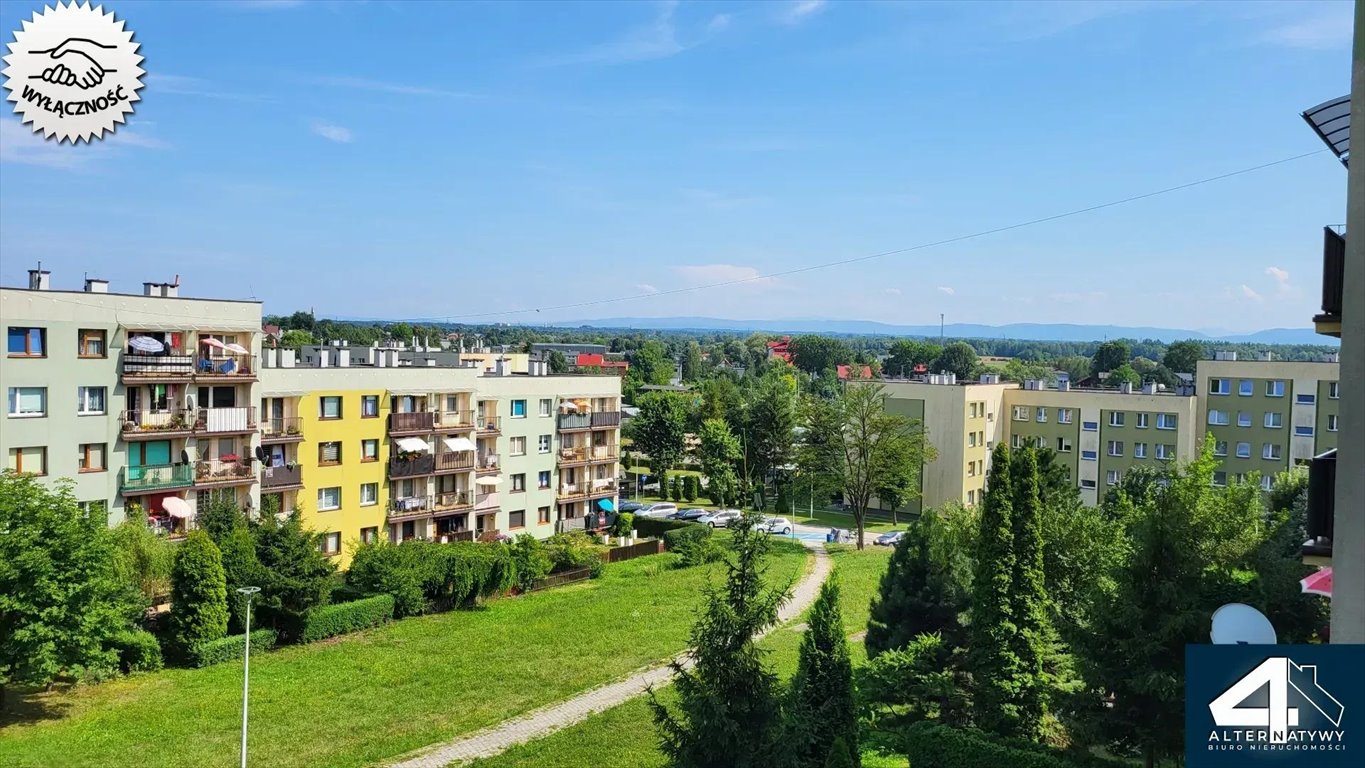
[
  {"x": 675, "y": 484},
  {"x": 332, "y": 620},
  {"x": 531, "y": 560},
  {"x": 229, "y": 648},
  {"x": 624, "y": 524},
  {"x": 425, "y": 575},
  {"x": 570, "y": 551},
  {"x": 931, "y": 745},
  {"x": 384, "y": 568},
  {"x": 691, "y": 488},
  {"x": 199, "y": 596},
  {"x": 138, "y": 650},
  {"x": 657, "y": 527},
  {"x": 694, "y": 544}
]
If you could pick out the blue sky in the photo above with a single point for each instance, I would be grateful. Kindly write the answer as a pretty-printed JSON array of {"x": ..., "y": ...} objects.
[{"x": 405, "y": 160}]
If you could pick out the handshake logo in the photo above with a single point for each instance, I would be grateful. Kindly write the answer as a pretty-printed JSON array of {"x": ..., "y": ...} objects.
[{"x": 73, "y": 72}]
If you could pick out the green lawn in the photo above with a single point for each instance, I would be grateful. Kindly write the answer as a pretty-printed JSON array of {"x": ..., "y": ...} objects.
[
  {"x": 368, "y": 697},
  {"x": 624, "y": 736}
]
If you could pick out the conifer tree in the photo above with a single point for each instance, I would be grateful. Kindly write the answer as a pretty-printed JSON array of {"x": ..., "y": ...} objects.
[
  {"x": 992, "y": 656},
  {"x": 919, "y": 594},
  {"x": 1028, "y": 593},
  {"x": 822, "y": 714},
  {"x": 199, "y": 609}
]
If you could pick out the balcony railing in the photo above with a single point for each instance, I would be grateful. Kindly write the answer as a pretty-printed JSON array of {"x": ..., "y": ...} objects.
[
  {"x": 160, "y": 365},
  {"x": 451, "y": 500},
  {"x": 420, "y": 421},
  {"x": 488, "y": 462},
  {"x": 157, "y": 477},
  {"x": 575, "y": 421},
  {"x": 281, "y": 477},
  {"x": 604, "y": 452},
  {"x": 210, "y": 471},
  {"x": 282, "y": 428},
  {"x": 455, "y": 461},
  {"x": 456, "y": 419},
  {"x": 410, "y": 508},
  {"x": 152, "y": 423},
  {"x": 572, "y": 454},
  {"x": 603, "y": 486},
  {"x": 486, "y": 501},
  {"x": 606, "y": 419},
  {"x": 571, "y": 490},
  {"x": 1333, "y": 268},
  {"x": 226, "y": 367},
  {"x": 421, "y": 465},
  {"x": 489, "y": 423},
  {"x": 238, "y": 419}
]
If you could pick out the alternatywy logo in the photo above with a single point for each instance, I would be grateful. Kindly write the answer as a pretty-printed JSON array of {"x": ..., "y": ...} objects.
[
  {"x": 73, "y": 72},
  {"x": 1288, "y": 687}
]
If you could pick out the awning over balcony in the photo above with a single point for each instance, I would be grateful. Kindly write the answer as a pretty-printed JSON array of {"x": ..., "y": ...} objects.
[
  {"x": 189, "y": 324},
  {"x": 413, "y": 445},
  {"x": 458, "y": 444},
  {"x": 267, "y": 392},
  {"x": 488, "y": 481},
  {"x": 1331, "y": 121}
]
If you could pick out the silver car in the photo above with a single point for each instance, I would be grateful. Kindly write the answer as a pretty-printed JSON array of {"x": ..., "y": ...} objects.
[{"x": 721, "y": 518}]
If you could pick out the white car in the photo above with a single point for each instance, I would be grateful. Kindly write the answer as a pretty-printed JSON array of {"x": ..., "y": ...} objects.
[
  {"x": 776, "y": 525},
  {"x": 660, "y": 509},
  {"x": 721, "y": 518}
]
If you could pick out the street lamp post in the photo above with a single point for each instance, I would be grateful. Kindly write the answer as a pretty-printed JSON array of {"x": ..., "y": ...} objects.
[{"x": 246, "y": 663}]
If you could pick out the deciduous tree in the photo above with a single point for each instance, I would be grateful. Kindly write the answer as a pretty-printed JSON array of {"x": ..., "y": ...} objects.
[
  {"x": 199, "y": 611},
  {"x": 958, "y": 358},
  {"x": 1110, "y": 355},
  {"x": 1183, "y": 356},
  {"x": 660, "y": 429},
  {"x": 816, "y": 354}
]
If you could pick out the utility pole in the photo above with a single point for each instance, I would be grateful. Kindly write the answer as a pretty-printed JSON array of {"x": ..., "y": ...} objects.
[
  {"x": 940, "y": 329},
  {"x": 246, "y": 663}
]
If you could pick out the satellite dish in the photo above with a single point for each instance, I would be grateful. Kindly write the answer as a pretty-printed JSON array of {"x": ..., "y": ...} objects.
[{"x": 1240, "y": 624}]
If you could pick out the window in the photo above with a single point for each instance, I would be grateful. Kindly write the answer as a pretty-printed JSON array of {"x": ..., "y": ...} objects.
[
  {"x": 369, "y": 535},
  {"x": 971, "y": 439},
  {"x": 329, "y": 453},
  {"x": 1088, "y": 484},
  {"x": 27, "y": 402},
  {"x": 518, "y": 409},
  {"x": 329, "y": 408},
  {"x": 91, "y": 457},
  {"x": 518, "y": 482},
  {"x": 369, "y": 450},
  {"x": 31, "y": 461},
  {"x": 543, "y": 479},
  {"x": 1165, "y": 452},
  {"x": 1020, "y": 413},
  {"x": 1266, "y": 482},
  {"x": 1274, "y": 389},
  {"x": 1042, "y": 415},
  {"x": 1270, "y": 452},
  {"x": 543, "y": 514},
  {"x": 546, "y": 406},
  {"x": 1245, "y": 388},
  {"x": 1116, "y": 418},
  {"x": 517, "y": 446},
  {"x": 97, "y": 508},
  {"x": 329, "y": 498},
  {"x": 1303, "y": 431},
  {"x": 331, "y": 543},
  {"x": 1305, "y": 399},
  {"x": 27, "y": 342},
  {"x": 1244, "y": 450},
  {"x": 1219, "y": 418},
  {"x": 1218, "y": 386},
  {"x": 1090, "y": 426},
  {"x": 1220, "y": 448},
  {"x": 1142, "y": 421},
  {"x": 1063, "y": 445},
  {"x": 1140, "y": 450},
  {"x": 971, "y": 469},
  {"x": 1063, "y": 415},
  {"x": 90, "y": 400},
  {"x": 1220, "y": 478},
  {"x": 1273, "y": 420},
  {"x": 1115, "y": 447},
  {"x": 1332, "y": 393},
  {"x": 971, "y": 498},
  {"x": 543, "y": 444},
  {"x": 971, "y": 409},
  {"x": 1016, "y": 441},
  {"x": 369, "y": 494},
  {"x": 1332, "y": 422},
  {"x": 1166, "y": 421},
  {"x": 516, "y": 519},
  {"x": 91, "y": 343},
  {"x": 1244, "y": 418},
  {"x": 1088, "y": 456},
  {"x": 369, "y": 406},
  {"x": 1111, "y": 477}
]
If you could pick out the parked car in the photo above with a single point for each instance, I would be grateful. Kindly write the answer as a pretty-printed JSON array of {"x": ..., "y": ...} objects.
[
  {"x": 691, "y": 513},
  {"x": 776, "y": 525},
  {"x": 888, "y": 539},
  {"x": 660, "y": 509},
  {"x": 629, "y": 506},
  {"x": 721, "y": 518}
]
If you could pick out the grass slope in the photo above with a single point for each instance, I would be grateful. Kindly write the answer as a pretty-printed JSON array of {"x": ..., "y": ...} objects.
[{"x": 367, "y": 697}]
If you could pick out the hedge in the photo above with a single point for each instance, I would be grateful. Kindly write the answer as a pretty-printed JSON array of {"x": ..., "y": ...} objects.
[
  {"x": 695, "y": 544},
  {"x": 338, "y": 619},
  {"x": 424, "y": 575},
  {"x": 931, "y": 745},
  {"x": 682, "y": 537},
  {"x": 138, "y": 650},
  {"x": 658, "y": 526},
  {"x": 229, "y": 648}
]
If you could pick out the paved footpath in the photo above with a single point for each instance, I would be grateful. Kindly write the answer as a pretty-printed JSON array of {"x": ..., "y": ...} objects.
[{"x": 542, "y": 722}]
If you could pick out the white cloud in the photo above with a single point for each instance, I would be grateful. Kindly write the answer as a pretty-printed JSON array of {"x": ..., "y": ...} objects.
[
  {"x": 646, "y": 288},
  {"x": 182, "y": 85},
  {"x": 892, "y": 291},
  {"x": 1329, "y": 26},
  {"x": 657, "y": 39},
  {"x": 1280, "y": 276},
  {"x": 333, "y": 132},
  {"x": 718, "y": 22},
  {"x": 1247, "y": 292},
  {"x": 946, "y": 289},
  {"x": 800, "y": 10},
  {"x": 20, "y": 145},
  {"x": 715, "y": 274},
  {"x": 382, "y": 86}
]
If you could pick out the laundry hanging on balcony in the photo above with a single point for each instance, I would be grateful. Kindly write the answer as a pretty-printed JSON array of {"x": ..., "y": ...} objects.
[
  {"x": 413, "y": 445},
  {"x": 458, "y": 444}
]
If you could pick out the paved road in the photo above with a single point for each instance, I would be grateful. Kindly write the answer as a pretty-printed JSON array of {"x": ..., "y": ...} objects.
[{"x": 542, "y": 722}]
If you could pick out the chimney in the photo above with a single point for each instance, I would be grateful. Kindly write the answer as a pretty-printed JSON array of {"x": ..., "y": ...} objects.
[
  {"x": 151, "y": 289},
  {"x": 1126, "y": 387},
  {"x": 286, "y": 358},
  {"x": 1063, "y": 384},
  {"x": 343, "y": 358},
  {"x": 1266, "y": 356},
  {"x": 96, "y": 285},
  {"x": 500, "y": 367},
  {"x": 380, "y": 360},
  {"x": 38, "y": 279},
  {"x": 322, "y": 357},
  {"x": 171, "y": 290},
  {"x": 1149, "y": 388}
]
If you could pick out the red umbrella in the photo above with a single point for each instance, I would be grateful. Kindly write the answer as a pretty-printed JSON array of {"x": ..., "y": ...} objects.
[{"x": 1318, "y": 583}]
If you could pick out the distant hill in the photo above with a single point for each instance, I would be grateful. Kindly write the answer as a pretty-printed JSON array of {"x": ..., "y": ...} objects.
[{"x": 1027, "y": 331}]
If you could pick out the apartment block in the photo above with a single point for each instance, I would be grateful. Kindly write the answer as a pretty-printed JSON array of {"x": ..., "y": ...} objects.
[
  {"x": 1267, "y": 415},
  {"x": 145, "y": 401}
]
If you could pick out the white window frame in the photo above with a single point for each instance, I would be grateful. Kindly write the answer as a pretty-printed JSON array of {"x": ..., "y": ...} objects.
[
  {"x": 1167, "y": 421},
  {"x": 544, "y": 443},
  {"x": 1299, "y": 431},
  {"x": 16, "y": 399},
  {"x": 1093, "y": 456},
  {"x": 1331, "y": 422},
  {"x": 1115, "y": 448},
  {"x": 1021, "y": 413},
  {"x": 1064, "y": 445},
  {"x": 1219, "y": 386},
  {"x": 1243, "y": 450},
  {"x": 1041, "y": 414},
  {"x": 373, "y": 498},
  {"x": 1063, "y": 415},
  {"x": 1333, "y": 390},
  {"x": 1220, "y": 478},
  {"x": 1142, "y": 420},
  {"x": 546, "y": 406},
  {"x": 1219, "y": 418},
  {"x": 83, "y": 401},
  {"x": 328, "y": 507},
  {"x": 1271, "y": 452},
  {"x": 1305, "y": 398},
  {"x": 1090, "y": 426},
  {"x": 512, "y": 446},
  {"x": 1139, "y": 450},
  {"x": 1244, "y": 422},
  {"x": 1165, "y": 451},
  {"x": 1246, "y": 388},
  {"x": 1274, "y": 388},
  {"x": 1016, "y": 441},
  {"x": 1278, "y": 418},
  {"x": 1111, "y": 477},
  {"x": 1266, "y": 482},
  {"x": 1116, "y": 418}
]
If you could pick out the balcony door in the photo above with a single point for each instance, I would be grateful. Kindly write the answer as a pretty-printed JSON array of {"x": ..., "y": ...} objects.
[{"x": 217, "y": 397}]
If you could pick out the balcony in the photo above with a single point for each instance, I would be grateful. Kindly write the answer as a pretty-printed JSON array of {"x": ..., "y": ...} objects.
[
  {"x": 572, "y": 491},
  {"x": 489, "y": 425},
  {"x": 604, "y": 453},
  {"x": 488, "y": 464},
  {"x": 606, "y": 420},
  {"x": 420, "y": 422},
  {"x": 574, "y": 421},
  {"x": 1333, "y": 268},
  {"x": 286, "y": 429},
  {"x": 486, "y": 501},
  {"x": 155, "y": 425},
  {"x": 452, "y": 501},
  {"x": 1321, "y": 523},
  {"x": 220, "y": 471},
  {"x": 226, "y": 369},
  {"x": 577, "y": 454},
  {"x": 455, "y": 420},
  {"x": 602, "y": 488},
  {"x": 164, "y": 367},
  {"x": 151, "y": 479},
  {"x": 411, "y": 508},
  {"x": 414, "y": 467},
  {"x": 281, "y": 478},
  {"x": 226, "y": 420},
  {"x": 454, "y": 461}
]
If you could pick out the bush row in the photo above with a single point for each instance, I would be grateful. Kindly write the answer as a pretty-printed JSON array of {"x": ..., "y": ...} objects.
[
  {"x": 340, "y": 618},
  {"x": 657, "y": 527},
  {"x": 931, "y": 745},
  {"x": 425, "y": 575},
  {"x": 228, "y": 648}
]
